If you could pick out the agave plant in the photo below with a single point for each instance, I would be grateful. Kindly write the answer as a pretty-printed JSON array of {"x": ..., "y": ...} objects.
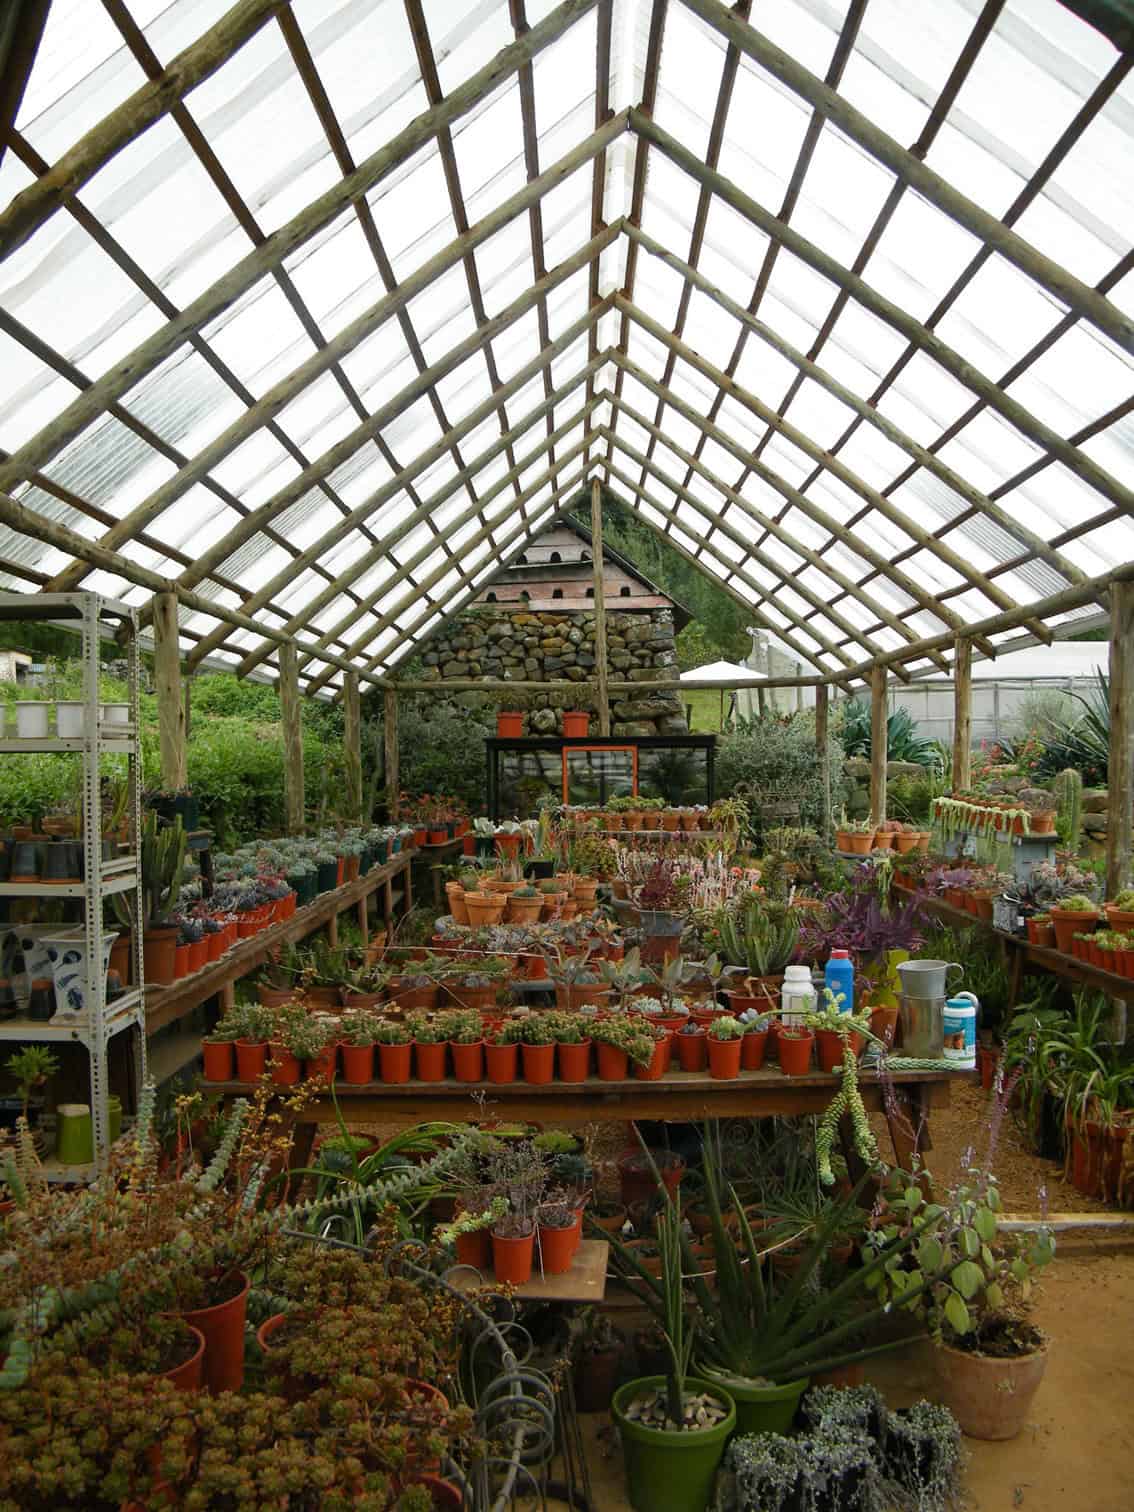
[
  {"x": 903, "y": 743},
  {"x": 756, "y": 938}
]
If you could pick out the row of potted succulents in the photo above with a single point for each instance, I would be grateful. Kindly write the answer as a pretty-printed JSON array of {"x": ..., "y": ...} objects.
[
  {"x": 1029, "y": 812},
  {"x": 434, "y": 818},
  {"x": 858, "y": 837},
  {"x": 477, "y": 899}
]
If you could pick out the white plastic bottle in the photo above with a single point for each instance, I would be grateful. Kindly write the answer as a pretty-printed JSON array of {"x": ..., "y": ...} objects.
[{"x": 797, "y": 995}]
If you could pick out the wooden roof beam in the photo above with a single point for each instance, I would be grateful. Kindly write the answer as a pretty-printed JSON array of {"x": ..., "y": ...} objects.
[
  {"x": 927, "y": 341},
  {"x": 35, "y": 204},
  {"x": 1035, "y": 265},
  {"x": 719, "y": 521},
  {"x": 384, "y": 416},
  {"x": 981, "y": 502},
  {"x": 747, "y": 400},
  {"x": 825, "y": 521},
  {"x": 134, "y": 366}
]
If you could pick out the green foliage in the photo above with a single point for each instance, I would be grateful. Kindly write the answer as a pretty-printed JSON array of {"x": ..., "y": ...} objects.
[
  {"x": 1084, "y": 743},
  {"x": 1068, "y": 789},
  {"x": 903, "y": 743},
  {"x": 773, "y": 757},
  {"x": 441, "y": 748}
]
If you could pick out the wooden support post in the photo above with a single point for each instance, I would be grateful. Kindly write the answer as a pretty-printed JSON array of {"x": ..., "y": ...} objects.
[
  {"x": 167, "y": 680},
  {"x": 390, "y": 748},
  {"x": 878, "y": 742},
  {"x": 1120, "y": 778},
  {"x": 962, "y": 713},
  {"x": 352, "y": 747},
  {"x": 292, "y": 739},
  {"x": 600, "y": 609},
  {"x": 822, "y": 711}
]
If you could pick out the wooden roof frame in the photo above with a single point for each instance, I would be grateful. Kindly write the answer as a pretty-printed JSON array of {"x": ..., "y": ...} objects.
[{"x": 504, "y": 516}]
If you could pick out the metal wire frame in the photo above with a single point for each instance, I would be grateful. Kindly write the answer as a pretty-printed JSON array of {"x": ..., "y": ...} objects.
[
  {"x": 443, "y": 111},
  {"x": 517, "y": 1409}
]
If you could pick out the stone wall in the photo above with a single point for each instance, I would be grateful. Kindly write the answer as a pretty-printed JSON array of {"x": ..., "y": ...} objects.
[{"x": 508, "y": 643}]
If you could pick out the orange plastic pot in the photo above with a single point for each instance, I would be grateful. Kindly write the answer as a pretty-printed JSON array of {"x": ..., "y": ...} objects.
[
  {"x": 358, "y": 1064},
  {"x": 795, "y": 1052},
  {"x": 223, "y": 1328},
  {"x": 657, "y": 1064},
  {"x": 190, "y": 1374},
  {"x": 753, "y": 1048},
  {"x": 251, "y": 1059},
  {"x": 575, "y": 1062},
  {"x": 557, "y": 1249},
  {"x": 394, "y": 1063},
  {"x": 509, "y": 726},
  {"x": 159, "y": 951},
  {"x": 829, "y": 1048},
  {"x": 217, "y": 1060},
  {"x": 285, "y": 1068},
  {"x": 692, "y": 1051},
  {"x": 613, "y": 1064},
  {"x": 512, "y": 1258},
  {"x": 884, "y": 1023},
  {"x": 198, "y": 954},
  {"x": 468, "y": 1061},
  {"x": 576, "y": 725},
  {"x": 430, "y": 1061},
  {"x": 321, "y": 1067},
  {"x": 500, "y": 1063},
  {"x": 539, "y": 1064},
  {"x": 473, "y": 1249},
  {"x": 724, "y": 1058},
  {"x": 180, "y": 962}
]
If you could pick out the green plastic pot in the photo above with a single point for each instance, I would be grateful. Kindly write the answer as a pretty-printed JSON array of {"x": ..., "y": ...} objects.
[
  {"x": 674, "y": 1471},
  {"x": 765, "y": 1409}
]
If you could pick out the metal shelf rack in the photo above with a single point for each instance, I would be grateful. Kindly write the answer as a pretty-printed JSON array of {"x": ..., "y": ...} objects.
[{"x": 96, "y": 618}]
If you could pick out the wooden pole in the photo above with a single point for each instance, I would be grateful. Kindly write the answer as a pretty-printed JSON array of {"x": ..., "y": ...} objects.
[
  {"x": 600, "y": 609},
  {"x": 878, "y": 742},
  {"x": 614, "y": 684},
  {"x": 822, "y": 722},
  {"x": 1120, "y": 780},
  {"x": 352, "y": 746},
  {"x": 290, "y": 717},
  {"x": 167, "y": 680},
  {"x": 962, "y": 712},
  {"x": 390, "y": 749}
]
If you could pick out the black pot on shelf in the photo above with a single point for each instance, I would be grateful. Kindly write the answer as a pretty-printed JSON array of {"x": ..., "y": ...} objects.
[
  {"x": 26, "y": 862},
  {"x": 9, "y": 1008},
  {"x": 5, "y": 860},
  {"x": 41, "y": 1004},
  {"x": 540, "y": 869},
  {"x": 62, "y": 862},
  {"x": 328, "y": 875}
]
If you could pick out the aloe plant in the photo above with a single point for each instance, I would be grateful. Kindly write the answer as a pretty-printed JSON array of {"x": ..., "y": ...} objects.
[{"x": 753, "y": 938}]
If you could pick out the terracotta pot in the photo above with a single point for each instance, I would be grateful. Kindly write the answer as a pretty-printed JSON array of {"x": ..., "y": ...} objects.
[
  {"x": 474, "y": 1249},
  {"x": 430, "y": 1061},
  {"x": 223, "y": 1328},
  {"x": 692, "y": 1051},
  {"x": 468, "y": 1061},
  {"x": 1067, "y": 924},
  {"x": 539, "y": 1064},
  {"x": 613, "y": 1064},
  {"x": 358, "y": 1064},
  {"x": 251, "y": 1059},
  {"x": 512, "y": 1258},
  {"x": 484, "y": 908},
  {"x": 884, "y": 1023},
  {"x": 575, "y": 725},
  {"x": 636, "y": 1180},
  {"x": 285, "y": 1068},
  {"x": 753, "y": 1048},
  {"x": 408, "y": 998},
  {"x": 883, "y": 840},
  {"x": 795, "y": 1052},
  {"x": 217, "y": 943},
  {"x": 990, "y": 1398},
  {"x": 556, "y": 1249},
  {"x": 159, "y": 951},
  {"x": 724, "y": 1058},
  {"x": 217, "y": 1057},
  {"x": 501, "y": 1063},
  {"x": 394, "y": 1063},
  {"x": 122, "y": 956},
  {"x": 657, "y": 1063},
  {"x": 509, "y": 726},
  {"x": 574, "y": 1062},
  {"x": 858, "y": 845},
  {"x": 198, "y": 954},
  {"x": 987, "y": 1062},
  {"x": 190, "y": 1374},
  {"x": 829, "y": 1048}
]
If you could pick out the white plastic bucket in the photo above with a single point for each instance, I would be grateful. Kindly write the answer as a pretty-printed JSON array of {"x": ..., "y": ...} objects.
[
  {"x": 69, "y": 720},
  {"x": 31, "y": 720}
]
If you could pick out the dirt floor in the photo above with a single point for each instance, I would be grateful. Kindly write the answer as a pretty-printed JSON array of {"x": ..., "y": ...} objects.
[{"x": 1077, "y": 1450}]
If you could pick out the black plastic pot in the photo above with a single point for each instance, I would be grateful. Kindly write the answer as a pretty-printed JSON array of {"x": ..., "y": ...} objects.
[
  {"x": 328, "y": 875},
  {"x": 62, "y": 862},
  {"x": 26, "y": 864},
  {"x": 41, "y": 1004},
  {"x": 9, "y": 1008},
  {"x": 541, "y": 869}
]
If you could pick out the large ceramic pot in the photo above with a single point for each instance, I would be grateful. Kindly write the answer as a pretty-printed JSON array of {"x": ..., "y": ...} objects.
[
  {"x": 990, "y": 1398},
  {"x": 67, "y": 952}
]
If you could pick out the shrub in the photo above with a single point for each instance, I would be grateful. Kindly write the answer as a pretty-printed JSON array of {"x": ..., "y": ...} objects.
[
  {"x": 441, "y": 748},
  {"x": 774, "y": 757}
]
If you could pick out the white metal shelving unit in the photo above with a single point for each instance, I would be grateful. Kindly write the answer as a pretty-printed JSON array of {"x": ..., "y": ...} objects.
[{"x": 97, "y": 618}]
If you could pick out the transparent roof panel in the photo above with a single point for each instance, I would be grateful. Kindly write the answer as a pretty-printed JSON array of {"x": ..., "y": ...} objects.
[{"x": 360, "y": 494}]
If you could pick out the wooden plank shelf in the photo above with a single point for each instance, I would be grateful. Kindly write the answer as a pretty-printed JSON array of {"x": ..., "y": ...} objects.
[{"x": 164, "y": 1005}]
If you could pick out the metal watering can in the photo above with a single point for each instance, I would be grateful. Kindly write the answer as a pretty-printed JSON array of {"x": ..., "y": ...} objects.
[{"x": 922, "y": 1006}]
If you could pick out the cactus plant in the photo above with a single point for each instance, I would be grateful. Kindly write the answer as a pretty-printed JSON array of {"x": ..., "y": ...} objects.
[
  {"x": 1068, "y": 790},
  {"x": 163, "y": 859}
]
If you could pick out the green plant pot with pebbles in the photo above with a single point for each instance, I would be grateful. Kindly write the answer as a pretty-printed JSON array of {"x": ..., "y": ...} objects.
[
  {"x": 764, "y": 1407},
  {"x": 670, "y": 1470}
]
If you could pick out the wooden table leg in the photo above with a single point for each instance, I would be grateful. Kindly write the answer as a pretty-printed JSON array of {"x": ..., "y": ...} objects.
[
  {"x": 363, "y": 921},
  {"x": 1015, "y": 974},
  {"x": 228, "y": 996},
  {"x": 908, "y": 1121},
  {"x": 388, "y": 907},
  {"x": 407, "y": 902},
  {"x": 333, "y": 931}
]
